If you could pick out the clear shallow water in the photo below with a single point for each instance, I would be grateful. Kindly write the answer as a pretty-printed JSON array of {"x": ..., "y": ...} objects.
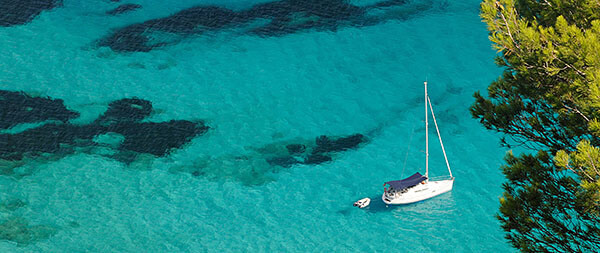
[{"x": 254, "y": 92}]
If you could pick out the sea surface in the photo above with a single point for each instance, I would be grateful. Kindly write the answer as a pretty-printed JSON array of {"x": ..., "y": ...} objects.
[{"x": 233, "y": 187}]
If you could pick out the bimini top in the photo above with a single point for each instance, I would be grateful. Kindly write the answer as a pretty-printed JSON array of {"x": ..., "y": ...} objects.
[{"x": 407, "y": 182}]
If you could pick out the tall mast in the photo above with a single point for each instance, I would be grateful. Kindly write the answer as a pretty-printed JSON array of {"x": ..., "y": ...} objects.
[
  {"x": 426, "y": 136},
  {"x": 440, "y": 137}
]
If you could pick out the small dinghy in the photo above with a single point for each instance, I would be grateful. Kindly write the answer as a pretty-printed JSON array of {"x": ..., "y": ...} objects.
[{"x": 363, "y": 203}]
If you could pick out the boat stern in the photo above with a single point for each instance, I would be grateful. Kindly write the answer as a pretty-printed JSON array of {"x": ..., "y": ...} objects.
[{"x": 387, "y": 200}]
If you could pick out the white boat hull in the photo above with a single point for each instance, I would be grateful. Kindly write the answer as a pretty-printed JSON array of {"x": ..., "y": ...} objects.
[{"x": 419, "y": 192}]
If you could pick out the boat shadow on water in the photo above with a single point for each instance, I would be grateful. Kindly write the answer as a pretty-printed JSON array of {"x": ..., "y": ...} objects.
[{"x": 441, "y": 203}]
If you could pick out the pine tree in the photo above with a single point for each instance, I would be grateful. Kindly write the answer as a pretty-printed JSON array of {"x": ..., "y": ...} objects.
[{"x": 547, "y": 100}]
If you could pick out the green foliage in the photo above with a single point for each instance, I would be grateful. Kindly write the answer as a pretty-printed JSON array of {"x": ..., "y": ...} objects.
[
  {"x": 551, "y": 77},
  {"x": 585, "y": 162},
  {"x": 543, "y": 208},
  {"x": 547, "y": 100},
  {"x": 577, "y": 12}
]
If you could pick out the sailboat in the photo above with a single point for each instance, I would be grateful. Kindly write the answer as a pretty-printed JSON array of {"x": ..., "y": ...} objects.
[{"x": 419, "y": 187}]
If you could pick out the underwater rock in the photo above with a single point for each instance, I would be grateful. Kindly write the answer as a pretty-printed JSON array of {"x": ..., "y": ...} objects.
[
  {"x": 18, "y": 230},
  {"x": 385, "y": 4},
  {"x": 18, "y": 107},
  {"x": 249, "y": 170},
  {"x": 18, "y": 12},
  {"x": 282, "y": 17},
  {"x": 143, "y": 137},
  {"x": 186, "y": 21},
  {"x": 44, "y": 139},
  {"x": 127, "y": 109},
  {"x": 111, "y": 139},
  {"x": 293, "y": 15},
  {"x": 317, "y": 159},
  {"x": 74, "y": 224},
  {"x": 320, "y": 151},
  {"x": 121, "y": 120},
  {"x": 123, "y": 8},
  {"x": 295, "y": 149},
  {"x": 129, "y": 39},
  {"x": 157, "y": 138},
  {"x": 12, "y": 205},
  {"x": 329, "y": 9},
  {"x": 325, "y": 144},
  {"x": 259, "y": 165},
  {"x": 286, "y": 161},
  {"x": 7, "y": 167},
  {"x": 134, "y": 38}
]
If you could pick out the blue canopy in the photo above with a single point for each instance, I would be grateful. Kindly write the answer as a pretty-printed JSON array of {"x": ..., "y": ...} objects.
[{"x": 408, "y": 182}]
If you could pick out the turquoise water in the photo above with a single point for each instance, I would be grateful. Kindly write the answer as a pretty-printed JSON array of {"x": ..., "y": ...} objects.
[{"x": 257, "y": 93}]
